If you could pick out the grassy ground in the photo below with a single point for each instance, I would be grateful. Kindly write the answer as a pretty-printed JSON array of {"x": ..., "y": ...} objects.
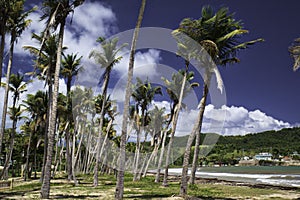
[{"x": 144, "y": 189}]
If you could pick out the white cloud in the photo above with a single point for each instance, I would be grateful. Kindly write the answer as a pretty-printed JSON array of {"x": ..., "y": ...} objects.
[
  {"x": 240, "y": 121},
  {"x": 227, "y": 120},
  {"x": 32, "y": 88},
  {"x": 89, "y": 21},
  {"x": 145, "y": 64}
]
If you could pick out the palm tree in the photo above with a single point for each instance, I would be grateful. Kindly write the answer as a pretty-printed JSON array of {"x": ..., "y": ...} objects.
[
  {"x": 17, "y": 87},
  {"x": 71, "y": 67},
  {"x": 177, "y": 89},
  {"x": 44, "y": 66},
  {"x": 5, "y": 7},
  {"x": 107, "y": 59},
  {"x": 143, "y": 95},
  {"x": 219, "y": 34},
  {"x": 56, "y": 11},
  {"x": 295, "y": 53},
  {"x": 16, "y": 24},
  {"x": 157, "y": 126},
  {"x": 121, "y": 169},
  {"x": 36, "y": 105},
  {"x": 15, "y": 115},
  {"x": 110, "y": 113}
]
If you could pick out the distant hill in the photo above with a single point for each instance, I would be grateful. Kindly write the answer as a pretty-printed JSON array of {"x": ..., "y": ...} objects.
[{"x": 284, "y": 142}]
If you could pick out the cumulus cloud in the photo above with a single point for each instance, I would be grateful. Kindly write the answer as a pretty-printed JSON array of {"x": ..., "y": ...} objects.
[
  {"x": 89, "y": 21},
  {"x": 31, "y": 88},
  {"x": 227, "y": 120}
]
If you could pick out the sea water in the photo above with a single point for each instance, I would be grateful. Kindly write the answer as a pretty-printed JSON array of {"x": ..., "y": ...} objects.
[{"x": 273, "y": 175}]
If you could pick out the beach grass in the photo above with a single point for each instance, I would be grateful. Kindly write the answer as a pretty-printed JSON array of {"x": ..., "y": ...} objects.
[{"x": 146, "y": 188}]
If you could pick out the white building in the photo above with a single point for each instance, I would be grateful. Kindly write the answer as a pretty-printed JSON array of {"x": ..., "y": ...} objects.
[{"x": 263, "y": 156}]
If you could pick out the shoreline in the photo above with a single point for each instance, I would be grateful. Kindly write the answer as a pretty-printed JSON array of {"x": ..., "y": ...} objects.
[{"x": 200, "y": 179}]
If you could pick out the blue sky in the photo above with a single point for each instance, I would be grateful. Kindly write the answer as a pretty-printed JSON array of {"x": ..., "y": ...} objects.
[
  {"x": 264, "y": 79},
  {"x": 262, "y": 91}
]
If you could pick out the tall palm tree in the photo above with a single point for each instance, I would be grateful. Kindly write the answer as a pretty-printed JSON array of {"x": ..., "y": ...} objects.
[
  {"x": 16, "y": 24},
  {"x": 44, "y": 68},
  {"x": 57, "y": 12},
  {"x": 17, "y": 87},
  {"x": 219, "y": 34},
  {"x": 157, "y": 126},
  {"x": 15, "y": 115},
  {"x": 70, "y": 68},
  {"x": 295, "y": 53},
  {"x": 143, "y": 95},
  {"x": 107, "y": 59},
  {"x": 36, "y": 105},
  {"x": 6, "y": 9},
  {"x": 177, "y": 89},
  {"x": 121, "y": 169}
]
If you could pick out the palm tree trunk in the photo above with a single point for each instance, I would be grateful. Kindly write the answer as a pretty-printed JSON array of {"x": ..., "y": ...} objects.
[
  {"x": 196, "y": 130},
  {"x": 68, "y": 154},
  {"x": 162, "y": 150},
  {"x": 152, "y": 156},
  {"x": 195, "y": 158},
  {"x": 73, "y": 157},
  {"x": 137, "y": 154},
  {"x": 50, "y": 91},
  {"x": 45, "y": 189},
  {"x": 5, "y": 102},
  {"x": 27, "y": 157},
  {"x": 2, "y": 45},
  {"x": 101, "y": 124},
  {"x": 35, "y": 163},
  {"x": 174, "y": 125},
  {"x": 120, "y": 176},
  {"x": 4, "y": 174}
]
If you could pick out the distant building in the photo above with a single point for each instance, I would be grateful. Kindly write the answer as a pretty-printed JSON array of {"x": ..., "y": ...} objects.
[{"x": 263, "y": 156}]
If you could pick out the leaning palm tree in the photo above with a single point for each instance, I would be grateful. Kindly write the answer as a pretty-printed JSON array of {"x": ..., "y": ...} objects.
[
  {"x": 295, "y": 53},
  {"x": 6, "y": 8},
  {"x": 56, "y": 13},
  {"x": 219, "y": 35},
  {"x": 36, "y": 105},
  {"x": 121, "y": 169},
  {"x": 156, "y": 128},
  {"x": 177, "y": 90},
  {"x": 143, "y": 96},
  {"x": 45, "y": 62},
  {"x": 17, "y": 86},
  {"x": 17, "y": 23},
  {"x": 70, "y": 68},
  {"x": 107, "y": 59}
]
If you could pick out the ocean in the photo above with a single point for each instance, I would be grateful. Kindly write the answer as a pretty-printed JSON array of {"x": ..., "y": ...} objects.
[{"x": 272, "y": 175}]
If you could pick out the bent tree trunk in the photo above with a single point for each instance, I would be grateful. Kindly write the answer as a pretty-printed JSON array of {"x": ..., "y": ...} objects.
[
  {"x": 5, "y": 103},
  {"x": 50, "y": 91},
  {"x": 101, "y": 124},
  {"x": 27, "y": 157},
  {"x": 162, "y": 150},
  {"x": 1, "y": 64},
  {"x": 45, "y": 190},
  {"x": 120, "y": 176},
  {"x": 174, "y": 125},
  {"x": 196, "y": 130}
]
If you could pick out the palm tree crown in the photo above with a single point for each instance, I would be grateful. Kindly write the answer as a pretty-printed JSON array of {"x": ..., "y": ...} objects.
[
  {"x": 217, "y": 30},
  {"x": 295, "y": 53}
]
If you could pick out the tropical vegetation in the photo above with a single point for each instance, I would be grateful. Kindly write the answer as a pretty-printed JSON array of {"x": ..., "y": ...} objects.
[{"x": 67, "y": 135}]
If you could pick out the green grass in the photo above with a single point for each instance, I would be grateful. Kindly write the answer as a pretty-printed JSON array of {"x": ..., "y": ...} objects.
[{"x": 144, "y": 189}]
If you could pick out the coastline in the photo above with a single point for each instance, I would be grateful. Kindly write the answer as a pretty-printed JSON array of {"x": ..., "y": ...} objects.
[{"x": 253, "y": 177}]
